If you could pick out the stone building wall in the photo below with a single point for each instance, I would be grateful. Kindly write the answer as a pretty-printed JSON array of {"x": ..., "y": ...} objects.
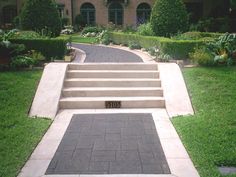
[{"x": 72, "y": 8}]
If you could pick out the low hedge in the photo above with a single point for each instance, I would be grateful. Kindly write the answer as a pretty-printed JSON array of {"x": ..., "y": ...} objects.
[
  {"x": 51, "y": 48},
  {"x": 178, "y": 49}
]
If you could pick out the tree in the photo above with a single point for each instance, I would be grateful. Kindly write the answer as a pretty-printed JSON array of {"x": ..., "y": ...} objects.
[
  {"x": 41, "y": 16},
  {"x": 169, "y": 17}
]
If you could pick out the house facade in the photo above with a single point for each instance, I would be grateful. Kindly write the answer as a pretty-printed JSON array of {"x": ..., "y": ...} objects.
[{"x": 102, "y": 12}]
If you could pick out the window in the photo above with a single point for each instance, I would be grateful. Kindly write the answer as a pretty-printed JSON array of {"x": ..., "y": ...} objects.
[
  {"x": 87, "y": 11},
  {"x": 9, "y": 13},
  {"x": 116, "y": 13},
  {"x": 143, "y": 13}
]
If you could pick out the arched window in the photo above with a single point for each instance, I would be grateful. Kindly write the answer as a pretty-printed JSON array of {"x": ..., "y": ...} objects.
[
  {"x": 87, "y": 10},
  {"x": 9, "y": 13},
  {"x": 143, "y": 13},
  {"x": 116, "y": 13}
]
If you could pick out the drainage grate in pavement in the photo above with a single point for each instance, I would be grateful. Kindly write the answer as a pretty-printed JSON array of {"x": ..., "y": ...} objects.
[
  {"x": 227, "y": 170},
  {"x": 110, "y": 144}
]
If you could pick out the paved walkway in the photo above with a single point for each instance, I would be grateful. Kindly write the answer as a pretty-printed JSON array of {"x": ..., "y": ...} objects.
[
  {"x": 100, "y": 54},
  {"x": 114, "y": 154},
  {"x": 110, "y": 144}
]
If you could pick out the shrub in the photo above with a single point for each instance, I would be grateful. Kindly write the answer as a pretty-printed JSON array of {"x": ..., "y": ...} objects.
[
  {"x": 26, "y": 35},
  {"x": 223, "y": 49},
  {"x": 38, "y": 15},
  {"x": 212, "y": 25},
  {"x": 177, "y": 49},
  {"x": 91, "y": 29},
  {"x": 133, "y": 45},
  {"x": 21, "y": 61},
  {"x": 65, "y": 21},
  {"x": 195, "y": 35},
  {"x": 50, "y": 48},
  {"x": 68, "y": 30},
  {"x": 79, "y": 21},
  {"x": 145, "y": 30},
  {"x": 202, "y": 56},
  {"x": 103, "y": 38},
  {"x": 169, "y": 17}
]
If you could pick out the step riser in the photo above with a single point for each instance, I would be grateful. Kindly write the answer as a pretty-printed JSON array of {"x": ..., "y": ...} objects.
[
  {"x": 112, "y": 75},
  {"x": 112, "y": 83},
  {"x": 113, "y": 67},
  {"x": 113, "y": 93},
  {"x": 101, "y": 104}
]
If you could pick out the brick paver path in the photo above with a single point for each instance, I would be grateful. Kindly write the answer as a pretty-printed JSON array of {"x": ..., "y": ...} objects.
[
  {"x": 110, "y": 144},
  {"x": 100, "y": 54}
]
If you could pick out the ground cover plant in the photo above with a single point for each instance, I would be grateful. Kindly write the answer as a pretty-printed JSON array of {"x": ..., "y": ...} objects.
[
  {"x": 19, "y": 134},
  {"x": 209, "y": 135}
]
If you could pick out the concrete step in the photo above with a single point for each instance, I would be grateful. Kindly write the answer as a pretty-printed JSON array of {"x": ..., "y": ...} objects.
[
  {"x": 112, "y": 82},
  {"x": 113, "y": 66},
  {"x": 100, "y": 102},
  {"x": 112, "y": 74},
  {"x": 112, "y": 91}
]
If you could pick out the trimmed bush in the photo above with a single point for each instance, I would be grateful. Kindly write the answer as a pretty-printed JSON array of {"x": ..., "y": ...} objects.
[
  {"x": 169, "y": 17},
  {"x": 177, "y": 49},
  {"x": 195, "y": 35},
  {"x": 50, "y": 48},
  {"x": 41, "y": 15}
]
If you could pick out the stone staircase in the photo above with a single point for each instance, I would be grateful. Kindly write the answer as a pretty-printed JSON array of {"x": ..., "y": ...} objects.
[{"x": 121, "y": 85}]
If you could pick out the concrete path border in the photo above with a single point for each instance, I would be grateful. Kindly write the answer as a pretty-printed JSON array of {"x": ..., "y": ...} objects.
[
  {"x": 47, "y": 97},
  {"x": 46, "y": 100},
  {"x": 178, "y": 159}
]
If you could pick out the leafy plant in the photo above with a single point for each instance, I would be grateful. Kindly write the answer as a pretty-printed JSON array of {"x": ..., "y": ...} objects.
[
  {"x": 103, "y": 37},
  {"x": 22, "y": 61},
  {"x": 202, "y": 56},
  {"x": 38, "y": 56},
  {"x": 91, "y": 29},
  {"x": 8, "y": 48},
  {"x": 134, "y": 45},
  {"x": 223, "y": 49},
  {"x": 145, "y": 30},
  {"x": 163, "y": 57},
  {"x": 169, "y": 17},
  {"x": 26, "y": 35}
]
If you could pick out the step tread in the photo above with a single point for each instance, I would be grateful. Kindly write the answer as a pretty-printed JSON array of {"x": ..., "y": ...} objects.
[
  {"x": 112, "y": 79},
  {"x": 110, "y": 98},
  {"x": 112, "y": 71},
  {"x": 110, "y": 88}
]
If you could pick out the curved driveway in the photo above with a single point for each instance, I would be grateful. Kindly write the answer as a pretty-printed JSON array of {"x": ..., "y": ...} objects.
[{"x": 100, "y": 54}]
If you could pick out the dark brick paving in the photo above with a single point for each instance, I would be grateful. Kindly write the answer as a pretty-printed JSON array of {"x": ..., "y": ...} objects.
[
  {"x": 110, "y": 144},
  {"x": 100, "y": 54}
]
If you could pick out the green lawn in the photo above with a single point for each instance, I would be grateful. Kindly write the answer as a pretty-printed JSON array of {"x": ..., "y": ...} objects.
[
  {"x": 19, "y": 134},
  {"x": 86, "y": 40},
  {"x": 210, "y": 135},
  {"x": 77, "y": 38}
]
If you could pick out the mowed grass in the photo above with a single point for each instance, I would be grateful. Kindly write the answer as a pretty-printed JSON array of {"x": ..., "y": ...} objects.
[
  {"x": 76, "y": 38},
  {"x": 210, "y": 135},
  {"x": 19, "y": 134}
]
